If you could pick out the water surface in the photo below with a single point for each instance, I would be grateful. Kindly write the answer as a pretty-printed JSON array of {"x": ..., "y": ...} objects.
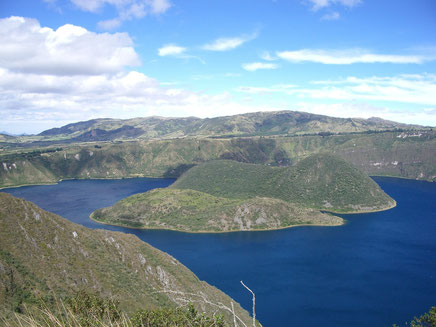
[{"x": 376, "y": 270}]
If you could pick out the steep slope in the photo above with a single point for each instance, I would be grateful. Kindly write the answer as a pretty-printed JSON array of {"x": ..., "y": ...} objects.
[
  {"x": 42, "y": 253},
  {"x": 193, "y": 211},
  {"x": 403, "y": 154},
  {"x": 319, "y": 181}
]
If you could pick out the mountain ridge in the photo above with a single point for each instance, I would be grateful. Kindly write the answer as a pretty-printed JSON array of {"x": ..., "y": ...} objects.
[{"x": 285, "y": 122}]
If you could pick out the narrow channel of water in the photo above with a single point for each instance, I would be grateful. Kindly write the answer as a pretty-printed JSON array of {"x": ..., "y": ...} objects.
[{"x": 376, "y": 270}]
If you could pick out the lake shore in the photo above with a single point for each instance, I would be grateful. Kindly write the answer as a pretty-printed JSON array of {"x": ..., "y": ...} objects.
[{"x": 217, "y": 232}]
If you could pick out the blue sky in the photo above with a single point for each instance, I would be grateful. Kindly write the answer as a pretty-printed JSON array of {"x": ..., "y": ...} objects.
[{"x": 63, "y": 61}]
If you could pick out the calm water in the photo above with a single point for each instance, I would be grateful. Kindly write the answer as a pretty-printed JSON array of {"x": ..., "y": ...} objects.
[{"x": 376, "y": 270}]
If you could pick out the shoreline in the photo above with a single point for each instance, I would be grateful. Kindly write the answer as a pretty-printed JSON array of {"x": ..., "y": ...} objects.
[
  {"x": 82, "y": 179},
  {"x": 406, "y": 178},
  {"x": 161, "y": 177},
  {"x": 23, "y": 185},
  {"x": 361, "y": 212},
  {"x": 217, "y": 232},
  {"x": 249, "y": 230}
]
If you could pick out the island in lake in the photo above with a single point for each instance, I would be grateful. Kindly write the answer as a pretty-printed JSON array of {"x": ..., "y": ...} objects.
[{"x": 224, "y": 195}]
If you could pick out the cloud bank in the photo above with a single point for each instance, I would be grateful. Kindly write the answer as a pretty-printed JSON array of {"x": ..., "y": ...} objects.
[
  {"x": 348, "y": 57},
  {"x": 126, "y": 9},
  {"x": 53, "y": 77},
  {"x": 70, "y": 50}
]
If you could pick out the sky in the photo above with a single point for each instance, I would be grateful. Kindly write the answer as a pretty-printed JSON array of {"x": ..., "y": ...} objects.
[{"x": 63, "y": 61}]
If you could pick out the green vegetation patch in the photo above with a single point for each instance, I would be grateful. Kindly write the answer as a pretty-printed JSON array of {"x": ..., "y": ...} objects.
[
  {"x": 321, "y": 181},
  {"x": 45, "y": 257},
  {"x": 194, "y": 211}
]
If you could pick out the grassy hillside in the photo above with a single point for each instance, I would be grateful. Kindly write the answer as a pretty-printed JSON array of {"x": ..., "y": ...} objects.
[
  {"x": 319, "y": 181},
  {"x": 43, "y": 253},
  {"x": 403, "y": 154},
  {"x": 250, "y": 124},
  {"x": 193, "y": 211}
]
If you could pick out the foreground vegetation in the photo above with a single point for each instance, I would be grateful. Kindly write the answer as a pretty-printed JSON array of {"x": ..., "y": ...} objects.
[
  {"x": 86, "y": 309},
  {"x": 44, "y": 257},
  {"x": 89, "y": 310},
  {"x": 425, "y": 320}
]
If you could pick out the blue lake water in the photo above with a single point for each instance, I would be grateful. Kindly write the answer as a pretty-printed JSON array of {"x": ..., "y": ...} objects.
[{"x": 376, "y": 270}]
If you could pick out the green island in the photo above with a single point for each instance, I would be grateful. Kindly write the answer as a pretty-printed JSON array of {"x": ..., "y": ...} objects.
[
  {"x": 45, "y": 259},
  {"x": 224, "y": 195}
]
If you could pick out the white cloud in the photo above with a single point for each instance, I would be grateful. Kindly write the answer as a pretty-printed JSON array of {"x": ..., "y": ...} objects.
[
  {"x": 70, "y": 50},
  {"x": 318, "y": 4},
  {"x": 403, "y": 98},
  {"x": 426, "y": 117},
  {"x": 70, "y": 74},
  {"x": 267, "y": 57},
  {"x": 32, "y": 100},
  {"x": 347, "y": 57},
  {"x": 259, "y": 65},
  {"x": 159, "y": 6},
  {"x": 141, "y": 7},
  {"x": 279, "y": 88},
  {"x": 109, "y": 24},
  {"x": 127, "y": 9},
  {"x": 171, "y": 50},
  {"x": 225, "y": 44},
  {"x": 331, "y": 16},
  {"x": 418, "y": 89},
  {"x": 415, "y": 89}
]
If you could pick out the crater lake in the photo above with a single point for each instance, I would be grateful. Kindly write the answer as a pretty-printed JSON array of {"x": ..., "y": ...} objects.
[{"x": 376, "y": 270}]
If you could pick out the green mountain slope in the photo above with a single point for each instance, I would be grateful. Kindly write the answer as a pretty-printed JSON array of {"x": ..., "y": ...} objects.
[
  {"x": 42, "y": 253},
  {"x": 403, "y": 154},
  {"x": 193, "y": 211},
  {"x": 250, "y": 124},
  {"x": 319, "y": 181}
]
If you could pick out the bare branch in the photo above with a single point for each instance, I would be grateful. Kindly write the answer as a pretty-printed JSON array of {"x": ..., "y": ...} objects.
[
  {"x": 234, "y": 316},
  {"x": 200, "y": 298},
  {"x": 254, "y": 303}
]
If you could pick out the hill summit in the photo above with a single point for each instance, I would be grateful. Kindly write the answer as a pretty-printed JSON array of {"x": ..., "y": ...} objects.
[
  {"x": 320, "y": 181},
  {"x": 251, "y": 124}
]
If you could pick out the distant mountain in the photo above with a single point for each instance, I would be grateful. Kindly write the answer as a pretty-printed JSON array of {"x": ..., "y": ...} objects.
[
  {"x": 42, "y": 253},
  {"x": 251, "y": 124},
  {"x": 4, "y": 137}
]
